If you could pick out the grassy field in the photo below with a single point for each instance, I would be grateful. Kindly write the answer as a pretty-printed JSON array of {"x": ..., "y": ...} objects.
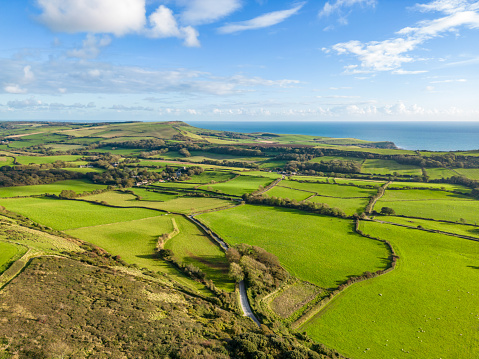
[
  {"x": 438, "y": 173},
  {"x": 389, "y": 167},
  {"x": 426, "y": 308},
  {"x": 78, "y": 186},
  {"x": 348, "y": 206},
  {"x": 334, "y": 158},
  {"x": 135, "y": 241},
  {"x": 240, "y": 185},
  {"x": 331, "y": 189},
  {"x": 357, "y": 182},
  {"x": 320, "y": 250},
  {"x": 283, "y": 192},
  {"x": 430, "y": 204},
  {"x": 443, "y": 186},
  {"x": 171, "y": 203},
  {"x": 293, "y": 298},
  {"x": 64, "y": 214},
  {"x": 461, "y": 229},
  {"x": 153, "y": 196},
  {"x": 472, "y": 173},
  {"x": 8, "y": 253},
  {"x": 26, "y": 160},
  {"x": 211, "y": 177},
  {"x": 192, "y": 246}
]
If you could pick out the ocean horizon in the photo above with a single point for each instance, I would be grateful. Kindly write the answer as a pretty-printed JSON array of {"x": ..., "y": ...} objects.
[{"x": 430, "y": 136}]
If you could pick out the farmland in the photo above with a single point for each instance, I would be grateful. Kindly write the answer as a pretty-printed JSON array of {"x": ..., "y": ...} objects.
[
  {"x": 427, "y": 302},
  {"x": 78, "y": 186},
  {"x": 310, "y": 237},
  {"x": 309, "y": 255}
]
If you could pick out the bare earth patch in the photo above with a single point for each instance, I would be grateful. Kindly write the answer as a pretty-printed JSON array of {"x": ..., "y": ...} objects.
[{"x": 293, "y": 298}]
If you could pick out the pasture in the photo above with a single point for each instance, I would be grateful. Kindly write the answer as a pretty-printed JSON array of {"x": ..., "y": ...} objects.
[
  {"x": 349, "y": 206},
  {"x": 192, "y": 246},
  {"x": 430, "y": 204},
  {"x": 8, "y": 253},
  {"x": 461, "y": 229},
  {"x": 283, "y": 192},
  {"x": 441, "y": 186},
  {"x": 320, "y": 250},
  {"x": 79, "y": 186},
  {"x": 37, "y": 160},
  {"x": 212, "y": 177},
  {"x": 68, "y": 214},
  {"x": 340, "y": 191},
  {"x": 438, "y": 173},
  {"x": 426, "y": 308},
  {"x": 389, "y": 167},
  {"x": 472, "y": 173},
  {"x": 239, "y": 186}
]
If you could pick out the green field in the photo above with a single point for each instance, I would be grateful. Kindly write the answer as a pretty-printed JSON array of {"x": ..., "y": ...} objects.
[
  {"x": 389, "y": 167},
  {"x": 430, "y": 204},
  {"x": 359, "y": 182},
  {"x": 153, "y": 196},
  {"x": 472, "y": 173},
  {"x": 426, "y": 308},
  {"x": 282, "y": 192},
  {"x": 65, "y": 214},
  {"x": 461, "y": 229},
  {"x": 8, "y": 253},
  {"x": 320, "y": 250},
  {"x": 341, "y": 191},
  {"x": 192, "y": 246},
  {"x": 443, "y": 186},
  {"x": 348, "y": 206},
  {"x": 26, "y": 160},
  {"x": 239, "y": 186},
  {"x": 438, "y": 173},
  {"x": 211, "y": 177},
  {"x": 171, "y": 203},
  {"x": 335, "y": 158},
  {"x": 78, "y": 186}
]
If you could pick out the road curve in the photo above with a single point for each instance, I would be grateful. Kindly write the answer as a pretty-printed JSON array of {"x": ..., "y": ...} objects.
[
  {"x": 247, "y": 311},
  {"x": 244, "y": 303}
]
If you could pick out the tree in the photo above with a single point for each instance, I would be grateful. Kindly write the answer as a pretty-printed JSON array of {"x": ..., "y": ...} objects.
[
  {"x": 67, "y": 193},
  {"x": 388, "y": 211},
  {"x": 236, "y": 272}
]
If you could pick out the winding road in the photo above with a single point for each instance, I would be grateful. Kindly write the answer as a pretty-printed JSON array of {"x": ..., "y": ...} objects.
[{"x": 244, "y": 302}]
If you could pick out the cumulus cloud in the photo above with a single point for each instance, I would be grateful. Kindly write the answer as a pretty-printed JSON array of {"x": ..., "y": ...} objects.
[
  {"x": 118, "y": 17},
  {"x": 338, "y": 7},
  {"x": 265, "y": 20},
  {"x": 15, "y": 89},
  {"x": 391, "y": 54},
  {"x": 199, "y": 12},
  {"x": 23, "y": 104},
  {"x": 121, "y": 108},
  {"x": 163, "y": 24},
  {"x": 91, "y": 48}
]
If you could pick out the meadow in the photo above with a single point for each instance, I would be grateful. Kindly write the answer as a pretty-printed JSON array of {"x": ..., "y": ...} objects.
[
  {"x": 348, "y": 206},
  {"x": 79, "y": 186},
  {"x": 472, "y": 173},
  {"x": 340, "y": 191},
  {"x": 437, "y": 173},
  {"x": 68, "y": 214},
  {"x": 326, "y": 250},
  {"x": 461, "y": 229},
  {"x": 389, "y": 167},
  {"x": 441, "y": 186},
  {"x": 8, "y": 253},
  {"x": 425, "y": 308},
  {"x": 430, "y": 204},
  {"x": 26, "y": 160},
  {"x": 283, "y": 192},
  {"x": 239, "y": 186}
]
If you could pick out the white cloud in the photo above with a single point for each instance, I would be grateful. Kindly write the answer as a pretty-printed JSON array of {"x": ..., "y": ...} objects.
[
  {"x": 28, "y": 74},
  {"x": 391, "y": 54},
  {"x": 91, "y": 47},
  {"x": 447, "y": 81},
  {"x": 163, "y": 24},
  {"x": 22, "y": 104},
  {"x": 265, "y": 20},
  {"x": 15, "y": 89},
  {"x": 118, "y": 17},
  {"x": 338, "y": 6},
  {"x": 121, "y": 108},
  {"x": 199, "y": 12}
]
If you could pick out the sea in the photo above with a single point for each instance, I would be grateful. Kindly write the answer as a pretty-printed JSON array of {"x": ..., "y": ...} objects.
[{"x": 431, "y": 136}]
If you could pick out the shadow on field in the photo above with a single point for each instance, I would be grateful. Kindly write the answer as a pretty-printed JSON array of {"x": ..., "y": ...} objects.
[{"x": 474, "y": 267}]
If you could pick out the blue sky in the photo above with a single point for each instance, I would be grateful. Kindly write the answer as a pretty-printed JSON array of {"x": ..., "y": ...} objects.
[{"x": 239, "y": 60}]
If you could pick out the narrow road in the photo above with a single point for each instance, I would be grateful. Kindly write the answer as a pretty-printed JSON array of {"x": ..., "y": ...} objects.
[
  {"x": 247, "y": 311},
  {"x": 244, "y": 302}
]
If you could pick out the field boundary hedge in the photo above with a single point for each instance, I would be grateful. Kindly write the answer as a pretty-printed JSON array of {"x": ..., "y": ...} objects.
[
  {"x": 367, "y": 275},
  {"x": 167, "y": 236}
]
